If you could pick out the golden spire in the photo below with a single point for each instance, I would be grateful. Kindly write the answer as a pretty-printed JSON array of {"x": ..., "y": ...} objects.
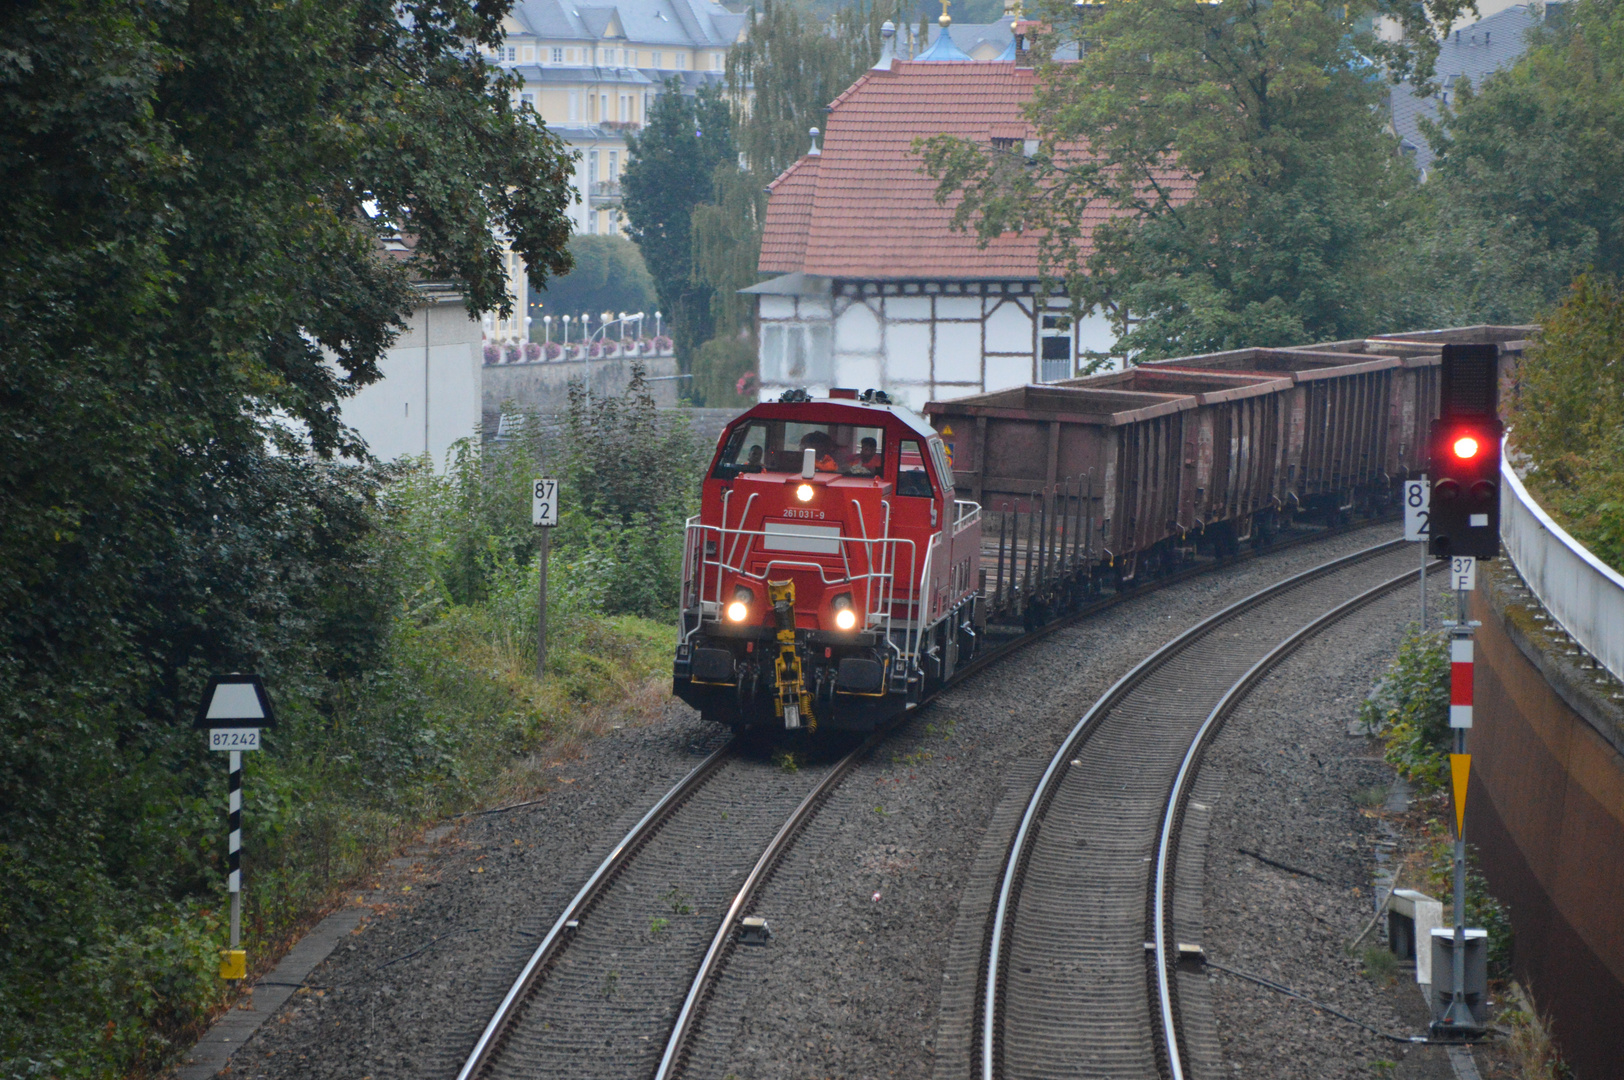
[{"x": 944, "y": 20}]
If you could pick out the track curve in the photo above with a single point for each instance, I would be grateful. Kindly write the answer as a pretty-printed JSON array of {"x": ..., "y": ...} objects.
[{"x": 1074, "y": 982}]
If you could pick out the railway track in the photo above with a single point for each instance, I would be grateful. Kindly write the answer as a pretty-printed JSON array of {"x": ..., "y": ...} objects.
[
  {"x": 1080, "y": 953},
  {"x": 652, "y": 904}
]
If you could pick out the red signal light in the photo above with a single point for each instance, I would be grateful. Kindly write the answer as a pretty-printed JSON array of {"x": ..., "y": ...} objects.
[{"x": 1465, "y": 447}]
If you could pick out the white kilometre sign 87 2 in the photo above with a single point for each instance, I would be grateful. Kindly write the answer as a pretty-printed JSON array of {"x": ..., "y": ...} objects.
[
  {"x": 544, "y": 502},
  {"x": 1417, "y": 509}
]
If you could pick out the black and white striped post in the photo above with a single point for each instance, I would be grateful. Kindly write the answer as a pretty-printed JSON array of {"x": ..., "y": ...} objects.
[
  {"x": 236, "y": 957},
  {"x": 235, "y": 707}
]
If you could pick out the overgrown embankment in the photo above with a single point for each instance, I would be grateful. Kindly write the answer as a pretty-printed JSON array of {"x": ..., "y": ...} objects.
[
  {"x": 392, "y": 611},
  {"x": 1568, "y": 417}
]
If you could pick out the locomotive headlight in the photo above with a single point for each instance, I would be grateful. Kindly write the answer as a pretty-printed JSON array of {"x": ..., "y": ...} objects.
[
  {"x": 845, "y": 614},
  {"x": 804, "y": 493},
  {"x": 739, "y": 609}
]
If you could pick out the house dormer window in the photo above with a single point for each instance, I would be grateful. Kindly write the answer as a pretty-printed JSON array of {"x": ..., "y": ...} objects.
[{"x": 558, "y": 56}]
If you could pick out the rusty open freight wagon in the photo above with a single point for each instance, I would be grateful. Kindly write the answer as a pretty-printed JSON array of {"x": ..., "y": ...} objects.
[{"x": 1110, "y": 475}]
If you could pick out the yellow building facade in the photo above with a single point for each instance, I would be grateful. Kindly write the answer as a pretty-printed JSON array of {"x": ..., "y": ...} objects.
[{"x": 592, "y": 73}]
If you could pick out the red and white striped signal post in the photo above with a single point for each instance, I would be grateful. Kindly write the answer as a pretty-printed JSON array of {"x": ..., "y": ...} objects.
[
  {"x": 234, "y": 709},
  {"x": 1457, "y": 1018}
]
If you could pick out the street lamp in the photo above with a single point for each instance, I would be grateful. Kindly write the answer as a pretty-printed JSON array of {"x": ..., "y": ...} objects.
[
  {"x": 566, "y": 330},
  {"x": 547, "y": 329},
  {"x": 656, "y": 324}
]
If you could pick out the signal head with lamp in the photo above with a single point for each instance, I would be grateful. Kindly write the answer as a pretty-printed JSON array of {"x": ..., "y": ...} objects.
[{"x": 1465, "y": 511}]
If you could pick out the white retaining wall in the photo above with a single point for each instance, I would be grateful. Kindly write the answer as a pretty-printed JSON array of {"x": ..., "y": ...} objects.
[{"x": 1580, "y": 591}]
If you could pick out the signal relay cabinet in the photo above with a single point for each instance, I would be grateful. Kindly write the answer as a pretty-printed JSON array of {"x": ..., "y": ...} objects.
[{"x": 1477, "y": 972}]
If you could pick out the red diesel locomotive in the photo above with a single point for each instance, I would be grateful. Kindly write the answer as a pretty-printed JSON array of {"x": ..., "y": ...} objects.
[{"x": 830, "y": 578}]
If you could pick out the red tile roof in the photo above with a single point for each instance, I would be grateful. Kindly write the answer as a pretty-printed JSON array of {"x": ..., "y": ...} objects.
[
  {"x": 864, "y": 209},
  {"x": 789, "y": 217}
]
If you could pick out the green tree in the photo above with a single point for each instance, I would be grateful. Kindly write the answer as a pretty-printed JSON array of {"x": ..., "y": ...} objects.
[
  {"x": 670, "y": 169},
  {"x": 608, "y": 275},
  {"x": 1527, "y": 178},
  {"x": 792, "y": 64},
  {"x": 1237, "y": 187},
  {"x": 1568, "y": 417},
  {"x": 189, "y": 271}
]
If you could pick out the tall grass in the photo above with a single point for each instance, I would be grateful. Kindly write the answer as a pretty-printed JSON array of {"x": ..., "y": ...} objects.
[{"x": 432, "y": 708}]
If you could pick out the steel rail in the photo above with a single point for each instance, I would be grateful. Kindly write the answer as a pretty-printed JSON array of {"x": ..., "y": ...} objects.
[
  {"x": 709, "y": 968},
  {"x": 506, "y": 1013},
  {"x": 490, "y": 1039},
  {"x": 688, "y": 1017},
  {"x": 1172, "y": 818},
  {"x": 1047, "y": 783}
]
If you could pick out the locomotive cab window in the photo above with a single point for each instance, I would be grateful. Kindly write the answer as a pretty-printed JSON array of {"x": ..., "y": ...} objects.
[
  {"x": 912, "y": 478},
  {"x": 779, "y": 446}
]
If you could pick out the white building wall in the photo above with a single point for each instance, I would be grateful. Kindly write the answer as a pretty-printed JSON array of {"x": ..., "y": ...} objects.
[
  {"x": 431, "y": 391},
  {"x": 917, "y": 346}
]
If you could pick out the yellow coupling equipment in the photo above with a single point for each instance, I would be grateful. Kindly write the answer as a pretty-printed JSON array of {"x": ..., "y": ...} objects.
[{"x": 793, "y": 702}]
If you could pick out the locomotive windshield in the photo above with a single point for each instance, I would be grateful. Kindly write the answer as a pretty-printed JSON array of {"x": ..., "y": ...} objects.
[{"x": 780, "y": 446}]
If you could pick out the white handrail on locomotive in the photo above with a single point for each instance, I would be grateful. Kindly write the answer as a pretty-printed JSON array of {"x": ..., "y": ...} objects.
[
  {"x": 879, "y": 580},
  {"x": 708, "y": 573}
]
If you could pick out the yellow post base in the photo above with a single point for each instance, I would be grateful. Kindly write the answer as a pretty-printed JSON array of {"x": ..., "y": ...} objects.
[{"x": 233, "y": 963}]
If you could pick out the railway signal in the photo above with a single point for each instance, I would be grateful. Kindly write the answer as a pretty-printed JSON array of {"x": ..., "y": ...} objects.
[
  {"x": 234, "y": 709},
  {"x": 1465, "y": 510}
]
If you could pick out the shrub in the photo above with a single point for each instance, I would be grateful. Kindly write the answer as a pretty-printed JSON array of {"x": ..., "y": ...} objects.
[
  {"x": 1568, "y": 417},
  {"x": 1410, "y": 709},
  {"x": 1482, "y": 910}
]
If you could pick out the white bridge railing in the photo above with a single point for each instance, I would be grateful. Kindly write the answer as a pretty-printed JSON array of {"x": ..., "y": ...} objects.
[{"x": 1580, "y": 591}]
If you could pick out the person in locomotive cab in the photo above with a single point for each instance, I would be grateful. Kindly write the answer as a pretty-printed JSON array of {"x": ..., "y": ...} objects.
[
  {"x": 754, "y": 462},
  {"x": 820, "y": 441},
  {"x": 868, "y": 460}
]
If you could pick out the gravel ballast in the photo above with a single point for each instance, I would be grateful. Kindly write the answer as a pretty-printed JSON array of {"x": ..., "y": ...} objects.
[
  {"x": 1289, "y": 787},
  {"x": 863, "y": 974}
]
